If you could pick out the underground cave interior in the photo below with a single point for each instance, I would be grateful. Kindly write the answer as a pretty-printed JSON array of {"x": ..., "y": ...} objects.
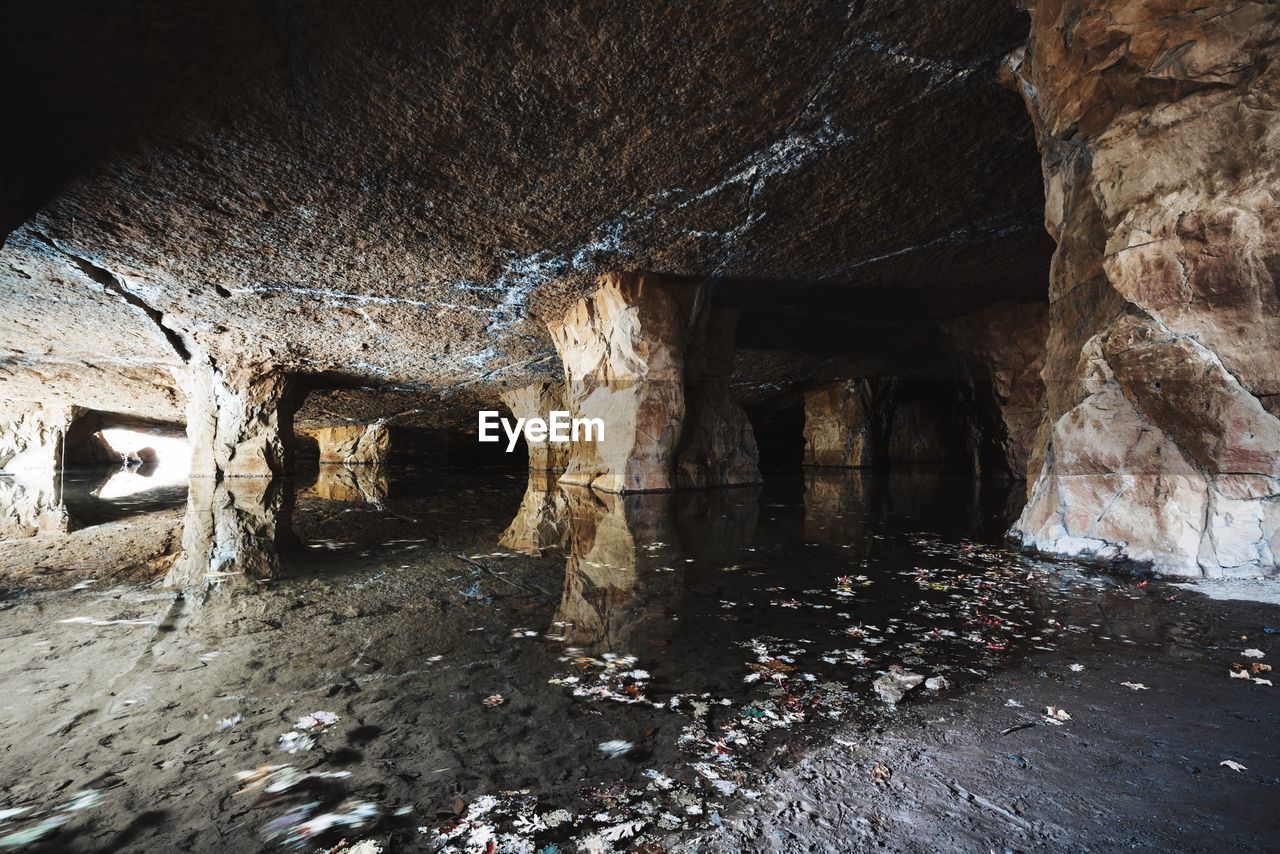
[{"x": 936, "y": 346}]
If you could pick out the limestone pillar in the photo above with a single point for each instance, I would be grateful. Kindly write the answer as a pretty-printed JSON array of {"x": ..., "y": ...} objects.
[
  {"x": 336, "y": 482},
  {"x": 846, "y": 424},
  {"x": 1001, "y": 349},
  {"x": 1161, "y": 156},
  {"x": 239, "y": 419},
  {"x": 648, "y": 359},
  {"x": 718, "y": 446},
  {"x": 353, "y": 444},
  {"x": 537, "y": 400}
]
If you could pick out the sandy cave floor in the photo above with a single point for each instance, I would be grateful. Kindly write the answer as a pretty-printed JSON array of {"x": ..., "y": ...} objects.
[{"x": 726, "y": 655}]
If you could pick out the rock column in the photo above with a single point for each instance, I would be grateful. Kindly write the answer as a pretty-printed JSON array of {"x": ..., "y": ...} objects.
[
  {"x": 239, "y": 420},
  {"x": 354, "y": 444},
  {"x": 649, "y": 359},
  {"x": 1001, "y": 351},
  {"x": 846, "y": 424},
  {"x": 1161, "y": 154},
  {"x": 232, "y": 532},
  {"x": 538, "y": 400}
]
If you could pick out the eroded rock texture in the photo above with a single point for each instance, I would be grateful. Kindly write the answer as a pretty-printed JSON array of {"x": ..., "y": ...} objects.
[
  {"x": 1161, "y": 153},
  {"x": 31, "y": 435},
  {"x": 538, "y": 400},
  {"x": 353, "y": 444},
  {"x": 846, "y": 424},
  {"x": 651, "y": 360},
  {"x": 239, "y": 420},
  {"x": 1002, "y": 352}
]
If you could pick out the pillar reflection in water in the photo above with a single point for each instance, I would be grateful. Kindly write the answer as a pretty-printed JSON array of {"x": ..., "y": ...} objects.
[
  {"x": 542, "y": 522},
  {"x": 356, "y": 483},
  {"x": 846, "y": 507},
  {"x": 31, "y": 505},
  {"x": 627, "y": 556},
  {"x": 233, "y": 531}
]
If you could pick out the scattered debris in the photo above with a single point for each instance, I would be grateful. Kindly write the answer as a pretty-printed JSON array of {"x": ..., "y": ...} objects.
[
  {"x": 1136, "y": 686},
  {"x": 895, "y": 684},
  {"x": 1056, "y": 716},
  {"x": 1233, "y": 765},
  {"x": 494, "y": 700},
  {"x": 937, "y": 683},
  {"x": 615, "y": 748}
]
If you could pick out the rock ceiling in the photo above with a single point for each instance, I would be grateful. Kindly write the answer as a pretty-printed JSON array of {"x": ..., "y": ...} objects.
[{"x": 393, "y": 197}]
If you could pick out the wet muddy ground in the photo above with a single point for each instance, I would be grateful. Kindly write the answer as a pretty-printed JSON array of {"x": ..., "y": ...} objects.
[{"x": 463, "y": 661}]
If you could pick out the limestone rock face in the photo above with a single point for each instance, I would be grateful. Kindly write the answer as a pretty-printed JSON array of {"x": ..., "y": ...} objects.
[
  {"x": 239, "y": 420},
  {"x": 926, "y": 431},
  {"x": 353, "y": 444},
  {"x": 31, "y": 504},
  {"x": 31, "y": 435},
  {"x": 846, "y": 424},
  {"x": 1003, "y": 350},
  {"x": 718, "y": 447},
  {"x": 1161, "y": 158},
  {"x": 635, "y": 353},
  {"x": 537, "y": 400}
]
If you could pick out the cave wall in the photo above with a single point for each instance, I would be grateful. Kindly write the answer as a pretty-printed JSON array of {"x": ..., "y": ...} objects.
[{"x": 1161, "y": 154}]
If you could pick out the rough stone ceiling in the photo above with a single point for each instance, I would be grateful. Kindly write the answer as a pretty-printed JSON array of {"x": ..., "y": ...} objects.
[{"x": 395, "y": 195}]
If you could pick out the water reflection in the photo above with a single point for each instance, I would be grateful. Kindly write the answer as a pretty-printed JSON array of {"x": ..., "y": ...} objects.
[{"x": 470, "y": 652}]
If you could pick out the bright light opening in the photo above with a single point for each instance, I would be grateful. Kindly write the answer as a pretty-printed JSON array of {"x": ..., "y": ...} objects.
[{"x": 172, "y": 462}]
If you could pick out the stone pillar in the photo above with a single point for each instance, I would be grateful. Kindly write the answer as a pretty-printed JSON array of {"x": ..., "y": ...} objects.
[
  {"x": 1001, "y": 349},
  {"x": 846, "y": 424},
  {"x": 537, "y": 400},
  {"x": 239, "y": 420},
  {"x": 232, "y": 532},
  {"x": 32, "y": 435},
  {"x": 1161, "y": 155},
  {"x": 718, "y": 447},
  {"x": 353, "y": 444},
  {"x": 928, "y": 430},
  {"x": 634, "y": 352}
]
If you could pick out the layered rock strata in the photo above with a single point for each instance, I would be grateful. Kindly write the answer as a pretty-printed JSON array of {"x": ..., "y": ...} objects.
[
  {"x": 651, "y": 361},
  {"x": 1161, "y": 159}
]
